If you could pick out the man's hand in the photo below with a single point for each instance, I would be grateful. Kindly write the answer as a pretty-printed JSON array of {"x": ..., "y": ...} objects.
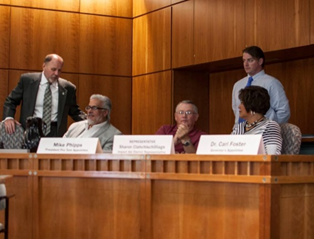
[
  {"x": 9, "y": 125},
  {"x": 182, "y": 132}
]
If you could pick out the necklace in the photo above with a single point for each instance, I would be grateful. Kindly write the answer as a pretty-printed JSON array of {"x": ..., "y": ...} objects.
[{"x": 254, "y": 123}]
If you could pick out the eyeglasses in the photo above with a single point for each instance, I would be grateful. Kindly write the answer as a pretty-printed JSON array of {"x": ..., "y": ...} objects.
[
  {"x": 181, "y": 112},
  {"x": 93, "y": 108}
]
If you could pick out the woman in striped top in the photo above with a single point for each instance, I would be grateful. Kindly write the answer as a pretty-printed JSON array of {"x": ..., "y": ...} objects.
[{"x": 255, "y": 102}]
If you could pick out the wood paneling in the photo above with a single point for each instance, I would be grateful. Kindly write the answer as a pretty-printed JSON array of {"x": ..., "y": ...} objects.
[
  {"x": 143, "y": 6},
  {"x": 221, "y": 117},
  {"x": 297, "y": 200},
  {"x": 73, "y": 78},
  {"x": 297, "y": 79},
  {"x": 311, "y": 23},
  {"x": 105, "y": 45},
  {"x": 36, "y": 33},
  {"x": 219, "y": 29},
  {"x": 194, "y": 210},
  {"x": 113, "y": 210},
  {"x": 4, "y": 91},
  {"x": 151, "y": 42},
  {"x": 122, "y": 8},
  {"x": 68, "y": 5},
  {"x": 118, "y": 89},
  {"x": 177, "y": 1},
  {"x": 284, "y": 24},
  {"x": 151, "y": 106},
  {"x": 4, "y": 36},
  {"x": 182, "y": 34},
  {"x": 295, "y": 76},
  {"x": 5, "y": 1},
  {"x": 107, "y": 196},
  {"x": 193, "y": 86},
  {"x": 14, "y": 77},
  {"x": 20, "y": 207}
]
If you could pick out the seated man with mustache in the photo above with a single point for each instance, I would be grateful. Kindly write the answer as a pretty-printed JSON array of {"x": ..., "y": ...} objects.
[
  {"x": 97, "y": 123},
  {"x": 185, "y": 135}
]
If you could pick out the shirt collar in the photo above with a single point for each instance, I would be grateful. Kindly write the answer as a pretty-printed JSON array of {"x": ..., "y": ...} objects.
[
  {"x": 44, "y": 81},
  {"x": 96, "y": 126},
  {"x": 262, "y": 72}
]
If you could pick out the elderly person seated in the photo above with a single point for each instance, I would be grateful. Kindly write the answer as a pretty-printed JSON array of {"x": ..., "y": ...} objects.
[
  {"x": 255, "y": 102},
  {"x": 186, "y": 135},
  {"x": 97, "y": 124}
]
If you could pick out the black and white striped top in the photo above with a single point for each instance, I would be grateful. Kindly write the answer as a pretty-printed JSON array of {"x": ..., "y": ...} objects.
[{"x": 269, "y": 129}]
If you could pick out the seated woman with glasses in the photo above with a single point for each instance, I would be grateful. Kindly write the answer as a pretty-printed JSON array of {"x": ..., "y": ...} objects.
[
  {"x": 186, "y": 135},
  {"x": 255, "y": 102}
]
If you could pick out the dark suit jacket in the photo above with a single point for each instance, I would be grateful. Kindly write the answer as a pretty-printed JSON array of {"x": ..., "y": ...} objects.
[{"x": 26, "y": 92}]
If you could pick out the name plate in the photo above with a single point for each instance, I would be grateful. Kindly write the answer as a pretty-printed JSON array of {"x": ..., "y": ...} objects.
[
  {"x": 69, "y": 146},
  {"x": 231, "y": 144},
  {"x": 143, "y": 144}
]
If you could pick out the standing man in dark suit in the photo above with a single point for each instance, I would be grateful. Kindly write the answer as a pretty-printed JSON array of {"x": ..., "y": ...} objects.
[{"x": 30, "y": 90}]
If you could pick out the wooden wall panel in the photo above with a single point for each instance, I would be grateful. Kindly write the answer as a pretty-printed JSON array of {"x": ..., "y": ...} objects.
[
  {"x": 14, "y": 77},
  {"x": 151, "y": 42},
  {"x": 204, "y": 210},
  {"x": 297, "y": 79},
  {"x": 219, "y": 29},
  {"x": 182, "y": 34},
  {"x": 295, "y": 76},
  {"x": 189, "y": 85},
  {"x": 69, "y": 5},
  {"x": 152, "y": 102},
  {"x": 4, "y": 36},
  {"x": 285, "y": 24},
  {"x": 177, "y": 1},
  {"x": 144, "y": 6},
  {"x": 21, "y": 210},
  {"x": 105, "y": 45},
  {"x": 5, "y": 1},
  {"x": 73, "y": 78},
  {"x": 221, "y": 117},
  {"x": 108, "y": 199},
  {"x": 118, "y": 89},
  {"x": 122, "y": 8},
  {"x": 36, "y": 33},
  {"x": 311, "y": 23},
  {"x": 4, "y": 82}
]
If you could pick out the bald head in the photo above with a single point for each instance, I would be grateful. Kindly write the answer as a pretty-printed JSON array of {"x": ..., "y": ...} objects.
[{"x": 52, "y": 67}]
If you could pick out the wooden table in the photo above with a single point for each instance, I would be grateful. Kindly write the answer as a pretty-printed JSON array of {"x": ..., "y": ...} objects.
[{"x": 160, "y": 196}]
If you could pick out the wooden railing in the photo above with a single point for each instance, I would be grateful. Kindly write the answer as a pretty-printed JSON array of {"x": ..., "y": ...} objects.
[{"x": 147, "y": 192}]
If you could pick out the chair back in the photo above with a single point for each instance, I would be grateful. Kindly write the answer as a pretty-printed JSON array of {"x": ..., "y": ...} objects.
[
  {"x": 291, "y": 138},
  {"x": 11, "y": 141}
]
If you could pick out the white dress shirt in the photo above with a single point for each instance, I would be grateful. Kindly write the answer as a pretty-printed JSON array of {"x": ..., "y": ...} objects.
[
  {"x": 279, "y": 110},
  {"x": 39, "y": 106},
  {"x": 90, "y": 132}
]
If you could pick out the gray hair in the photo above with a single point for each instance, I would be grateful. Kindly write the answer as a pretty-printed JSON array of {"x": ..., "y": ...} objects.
[
  {"x": 188, "y": 102},
  {"x": 106, "y": 103}
]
